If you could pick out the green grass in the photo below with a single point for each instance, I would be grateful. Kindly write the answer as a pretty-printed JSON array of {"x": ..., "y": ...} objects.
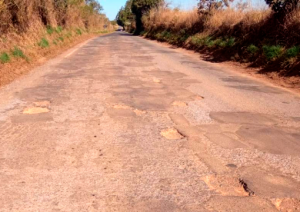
[
  {"x": 293, "y": 52},
  {"x": 252, "y": 49},
  {"x": 78, "y": 31},
  {"x": 44, "y": 43},
  {"x": 50, "y": 30},
  {"x": 58, "y": 29},
  {"x": 18, "y": 53},
  {"x": 272, "y": 52},
  {"x": 4, "y": 57}
]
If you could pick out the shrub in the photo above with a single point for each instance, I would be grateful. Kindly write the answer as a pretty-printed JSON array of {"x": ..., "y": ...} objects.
[
  {"x": 196, "y": 41},
  {"x": 18, "y": 53},
  {"x": 207, "y": 41},
  {"x": 218, "y": 41},
  {"x": 44, "y": 43},
  {"x": 4, "y": 57},
  {"x": 252, "y": 49},
  {"x": 230, "y": 42},
  {"x": 293, "y": 52},
  {"x": 272, "y": 52}
]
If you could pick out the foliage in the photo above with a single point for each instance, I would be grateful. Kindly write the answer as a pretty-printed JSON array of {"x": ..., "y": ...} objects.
[
  {"x": 50, "y": 30},
  {"x": 293, "y": 52},
  {"x": 44, "y": 43},
  {"x": 207, "y": 6},
  {"x": 283, "y": 7},
  {"x": 272, "y": 52},
  {"x": 140, "y": 8},
  {"x": 125, "y": 15},
  {"x": 78, "y": 31},
  {"x": 252, "y": 49},
  {"x": 4, "y": 57},
  {"x": 18, "y": 53}
]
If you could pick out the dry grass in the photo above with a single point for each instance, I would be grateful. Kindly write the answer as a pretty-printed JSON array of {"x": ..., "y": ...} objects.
[
  {"x": 32, "y": 30},
  {"x": 247, "y": 36}
]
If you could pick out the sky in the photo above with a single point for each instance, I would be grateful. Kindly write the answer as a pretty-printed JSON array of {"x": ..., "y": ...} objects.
[{"x": 112, "y": 7}]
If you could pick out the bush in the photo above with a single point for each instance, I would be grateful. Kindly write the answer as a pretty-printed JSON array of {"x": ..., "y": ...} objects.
[
  {"x": 4, "y": 58},
  {"x": 252, "y": 49},
  {"x": 44, "y": 43},
  {"x": 293, "y": 52},
  {"x": 272, "y": 52},
  {"x": 230, "y": 42}
]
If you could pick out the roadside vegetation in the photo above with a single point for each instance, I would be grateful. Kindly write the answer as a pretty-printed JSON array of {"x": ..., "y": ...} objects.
[
  {"x": 225, "y": 31},
  {"x": 32, "y": 30}
]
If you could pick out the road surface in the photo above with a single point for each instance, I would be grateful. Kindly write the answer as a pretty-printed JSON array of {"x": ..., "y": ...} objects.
[{"x": 123, "y": 124}]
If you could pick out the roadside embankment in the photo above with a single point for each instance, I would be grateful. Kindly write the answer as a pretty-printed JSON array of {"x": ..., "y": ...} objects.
[
  {"x": 32, "y": 31},
  {"x": 252, "y": 37}
]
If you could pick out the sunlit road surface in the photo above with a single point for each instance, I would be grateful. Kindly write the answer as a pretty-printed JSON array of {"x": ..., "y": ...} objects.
[{"x": 129, "y": 125}]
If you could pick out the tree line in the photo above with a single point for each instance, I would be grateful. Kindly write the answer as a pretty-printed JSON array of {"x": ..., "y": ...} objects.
[{"x": 134, "y": 10}]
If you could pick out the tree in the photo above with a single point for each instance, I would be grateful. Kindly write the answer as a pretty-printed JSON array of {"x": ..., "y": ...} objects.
[
  {"x": 125, "y": 16},
  {"x": 283, "y": 7},
  {"x": 206, "y": 6},
  {"x": 140, "y": 8}
]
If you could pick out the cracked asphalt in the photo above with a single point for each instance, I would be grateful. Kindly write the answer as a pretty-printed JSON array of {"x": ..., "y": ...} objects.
[{"x": 124, "y": 124}]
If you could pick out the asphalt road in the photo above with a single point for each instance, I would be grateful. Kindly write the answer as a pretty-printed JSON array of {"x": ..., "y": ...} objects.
[{"x": 124, "y": 124}]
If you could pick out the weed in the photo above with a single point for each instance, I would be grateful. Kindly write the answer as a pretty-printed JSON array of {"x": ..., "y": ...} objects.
[
  {"x": 18, "y": 53},
  {"x": 78, "y": 31},
  {"x": 272, "y": 52},
  {"x": 50, "y": 30},
  {"x": 252, "y": 49},
  {"x": 55, "y": 42},
  {"x": 4, "y": 57},
  {"x": 61, "y": 39},
  {"x": 293, "y": 52},
  {"x": 58, "y": 29},
  {"x": 44, "y": 43}
]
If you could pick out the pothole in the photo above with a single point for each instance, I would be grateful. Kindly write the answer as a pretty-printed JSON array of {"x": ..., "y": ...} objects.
[
  {"x": 287, "y": 204},
  {"x": 199, "y": 97},
  {"x": 139, "y": 112},
  {"x": 42, "y": 104},
  {"x": 171, "y": 134},
  {"x": 228, "y": 185},
  {"x": 122, "y": 107},
  {"x": 35, "y": 110},
  {"x": 179, "y": 104},
  {"x": 156, "y": 80}
]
